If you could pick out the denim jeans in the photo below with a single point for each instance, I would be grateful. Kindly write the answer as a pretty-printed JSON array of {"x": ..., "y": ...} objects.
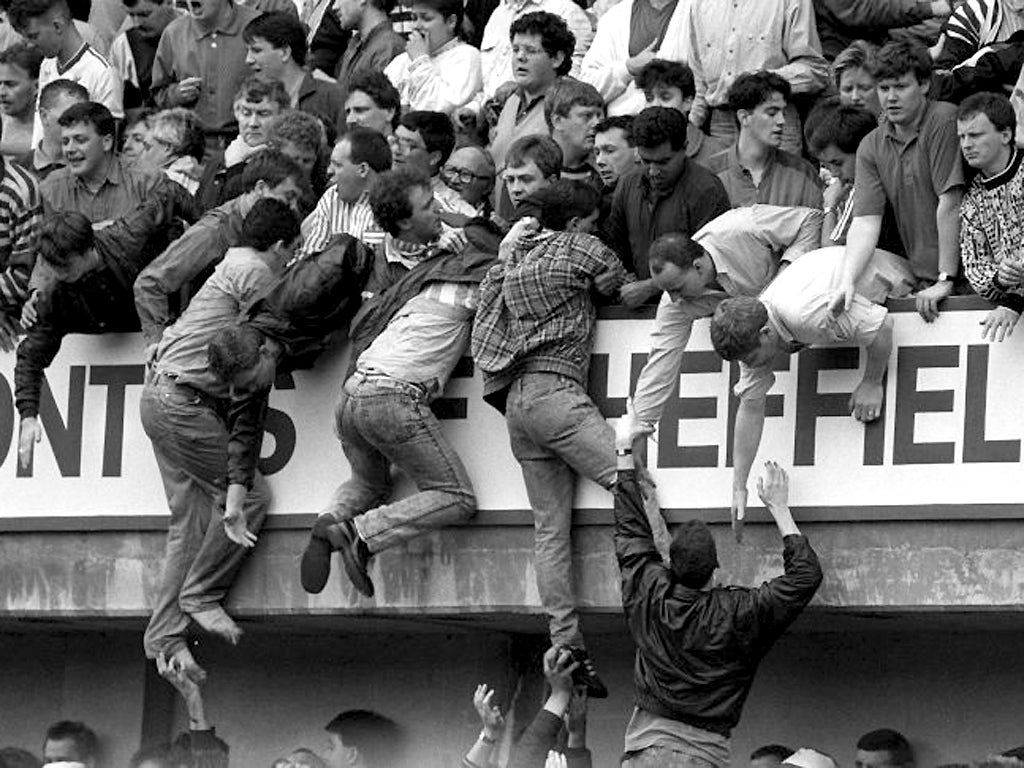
[
  {"x": 556, "y": 430},
  {"x": 190, "y": 441},
  {"x": 383, "y": 422}
]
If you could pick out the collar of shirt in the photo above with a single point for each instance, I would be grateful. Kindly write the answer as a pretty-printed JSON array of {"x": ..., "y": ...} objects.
[
  {"x": 525, "y": 104},
  {"x": 62, "y": 68},
  {"x": 232, "y": 27},
  {"x": 307, "y": 86},
  {"x": 889, "y": 128},
  {"x": 736, "y": 164},
  {"x": 409, "y": 254},
  {"x": 115, "y": 174},
  {"x": 1005, "y": 175}
]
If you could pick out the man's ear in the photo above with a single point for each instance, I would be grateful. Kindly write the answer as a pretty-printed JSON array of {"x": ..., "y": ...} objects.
[
  {"x": 108, "y": 143},
  {"x": 434, "y": 158},
  {"x": 573, "y": 225},
  {"x": 686, "y": 105},
  {"x": 352, "y": 756},
  {"x": 742, "y": 115}
]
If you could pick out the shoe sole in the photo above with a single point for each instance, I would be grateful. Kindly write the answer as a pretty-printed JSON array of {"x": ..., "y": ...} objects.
[{"x": 315, "y": 568}]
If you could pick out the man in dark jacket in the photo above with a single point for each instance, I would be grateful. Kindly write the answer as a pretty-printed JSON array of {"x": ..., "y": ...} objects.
[
  {"x": 698, "y": 646},
  {"x": 93, "y": 291}
]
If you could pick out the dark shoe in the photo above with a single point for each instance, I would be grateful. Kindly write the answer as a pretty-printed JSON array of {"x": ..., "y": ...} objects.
[
  {"x": 354, "y": 555},
  {"x": 316, "y": 560},
  {"x": 585, "y": 675}
]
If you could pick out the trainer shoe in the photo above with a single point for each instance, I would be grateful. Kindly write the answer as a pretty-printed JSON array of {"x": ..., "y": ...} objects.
[
  {"x": 585, "y": 675},
  {"x": 315, "y": 567},
  {"x": 354, "y": 555}
]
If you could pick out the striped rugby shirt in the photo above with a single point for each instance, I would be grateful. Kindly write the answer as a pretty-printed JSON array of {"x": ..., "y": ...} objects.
[{"x": 21, "y": 212}]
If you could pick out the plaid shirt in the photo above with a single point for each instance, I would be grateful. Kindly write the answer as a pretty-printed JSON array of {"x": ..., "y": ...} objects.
[{"x": 536, "y": 312}]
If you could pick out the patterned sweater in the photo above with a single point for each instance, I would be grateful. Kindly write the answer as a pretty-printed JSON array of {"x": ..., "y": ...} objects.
[{"x": 992, "y": 230}]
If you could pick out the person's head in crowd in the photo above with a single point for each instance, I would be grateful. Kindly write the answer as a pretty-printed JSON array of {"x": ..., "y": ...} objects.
[
  {"x": 244, "y": 358},
  {"x": 439, "y": 21},
  {"x": 693, "y": 556},
  {"x": 270, "y": 173},
  {"x": 71, "y": 741},
  {"x": 985, "y": 123},
  {"x": 806, "y": 757},
  {"x": 423, "y": 142},
  {"x": 769, "y": 756},
  {"x": 567, "y": 205},
  {"x": 363, "y": 739},
  {"x": 173, "y": 134},
  {"x": 759, "y": 100},
  {"x": 740, "y": 331},
  {"x": 358, "y": 157},
  {"x": 135, "y": 135},
  {"x": 836, "y": 136},
  {"x": 542, "y": 48},
  {"x": 572, "y": 110},
  {"x": 12, "y": 757},
  {"x": 275, "y": 45},
  {"x": 680, "y": 266},
  {"x": 87, "y": 139},
  {"x": 532, "y": 163},
  {"x": 271, "y": 228},
  {"x": 403, "y": 205},
  {"x": 373, "y": 102},
  {"x": 470, "y": 171},
  {"x": 54, "y": 99},
  {"x": 158, "y": 756},
  {"x": 305, "y": 758},
  {"x": 660, "y": 137},
  {"x": 258, "y": 101},
  {"x": 362, "y": 14},
  {"x": 150, "y": 17},
  {"x": 300, "y": 136},
  {"x": 65, "y": 242},
  {"x": 207, "y": 13},
  {"x": 903, "y": 75},
  {"x": 854, "y": 81},
  {"x": 884, "y": 748},
  {"x": 19, "y": 78},
  {"x": 667, "y": 84},
  {"x": 46, "y": 24},
  {"x": 614, "y": 148}
]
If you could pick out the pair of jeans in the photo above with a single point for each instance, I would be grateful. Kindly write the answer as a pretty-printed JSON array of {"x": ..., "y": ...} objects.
[
  {"x": 190, "y": 441},
  {"x": 381, "y": 422},
  {"x": 555, "y": 431}
]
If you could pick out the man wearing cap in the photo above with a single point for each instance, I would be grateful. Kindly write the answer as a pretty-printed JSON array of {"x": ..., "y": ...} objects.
[{"x": 698, "y": 646}]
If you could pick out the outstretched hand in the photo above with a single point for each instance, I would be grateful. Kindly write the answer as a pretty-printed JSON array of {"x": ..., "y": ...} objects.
[
  {"x": 234, "y": 518},
  {"x": 490, "y": 714},
  {"x": 773, "y": 486}
]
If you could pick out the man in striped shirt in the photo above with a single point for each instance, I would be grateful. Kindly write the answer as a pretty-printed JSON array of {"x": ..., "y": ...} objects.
[
  {"x": 357, "y": 158},
  {"x": 21, "y": 213}
]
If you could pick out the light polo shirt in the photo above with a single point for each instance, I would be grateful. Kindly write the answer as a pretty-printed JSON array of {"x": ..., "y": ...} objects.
[
  {"x": 92, "y": 71},
  {"x": 746, "y": 246},
  {"x": 798, "y": 310},
  {"x": 911, "y": 175},
  {"x": 787, "y": 180}
]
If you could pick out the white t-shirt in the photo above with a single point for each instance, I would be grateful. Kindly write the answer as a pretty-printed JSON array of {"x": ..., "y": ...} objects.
[{"x": 93, "y": 71}]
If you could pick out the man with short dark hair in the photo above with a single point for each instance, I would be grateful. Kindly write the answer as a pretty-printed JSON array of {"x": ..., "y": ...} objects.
[
  {"x": 991, "y": 237},
  {"x": 533, "y": 162},
  {"x": 423, "y": 143},
  {"x": 363, "y": 739},
  {"x": 276, "y": 48},
  {"x": 134, "y": 50},
  {"x": 614, "y": 151},
  {"x": 373, "y": 44},
  {"x": 206, "y": 436},
  {"x": 572, "y": 111},
  {"x": 757, "y": 170},
  {"x": 912, "y": 162},
  {"x": 70, "y": 741},
  {"x": 668, "y": 193},
  {"x": 884, "y": 748},
  {"x": 372, "y": 102},
  {"x": 47, "y": 154},
  {"x": 268, "y": 174},
  {"x": 698, "y": 646}
]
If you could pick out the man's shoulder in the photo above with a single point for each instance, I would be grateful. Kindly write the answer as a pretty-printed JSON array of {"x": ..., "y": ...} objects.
[
  {"x": 796, "y": 164},
  {"x": 939, "y": 113},
  {"x": 61, "y": 178},
  {"x": 179, "y": 28}
]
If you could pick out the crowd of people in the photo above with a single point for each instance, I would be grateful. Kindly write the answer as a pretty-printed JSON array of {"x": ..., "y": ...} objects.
[{"x": 249, "y": 182}]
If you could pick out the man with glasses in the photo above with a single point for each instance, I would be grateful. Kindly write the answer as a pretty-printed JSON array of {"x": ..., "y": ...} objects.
[
  {"x": 470, "y": 172},
  {"x": 423, "y": 143}
]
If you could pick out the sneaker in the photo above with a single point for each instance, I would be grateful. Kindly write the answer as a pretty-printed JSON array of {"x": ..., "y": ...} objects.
[
  {"x": 315, "y": 567},
  {"x": 354, "y": 555},
  {"x": 585, "y": 675}
]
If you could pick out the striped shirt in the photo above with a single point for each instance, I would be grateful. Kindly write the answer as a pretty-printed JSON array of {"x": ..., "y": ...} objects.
[
  {"x": 21, "y": 212},
  {"x": 90, "y": 69},
  {"x": 333, "y": 216},
  {"x": 976, "y": 24}
]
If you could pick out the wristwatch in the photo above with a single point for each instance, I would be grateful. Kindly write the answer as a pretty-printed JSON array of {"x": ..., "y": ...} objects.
[{"x": 945, "y": 277}]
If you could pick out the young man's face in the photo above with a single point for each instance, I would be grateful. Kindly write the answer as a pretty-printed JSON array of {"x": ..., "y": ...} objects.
[
  {"x": 206, "y": 12},
  {"x": 349, "y": 12},
  {"x": 840, "y": 164},
  {"x": 85, "y": 151},
  {"x": 424, "y": 225},
  {"x": 136, "y": 139},
  {"x": 576, "y": 129},
  {"x": 857, "y": 89},
  {"x": 265, "y": 59},
  {"x": 523, "y": 180},
  {"x": 411, "y": 152},
  {"x": 903, "y": 98},
  {"x": 984, "y": 146},
  {"x": 17, "y": 91},
  {"x": 350, "y": 178},
  {"x": 45, "y": 33},
  {"x": 613, "y": 156},
  {"x": 151, "y": 18},
  {"x": 677, "y": 282},
  {"x": 288, "y": 192},
  {"x": 669, "y": 96},
  {"x": 764, "y": 123},
  {"x": 533, "y": 68},
  {"x": 360, "y": 109},
  {"x": 304, "y": 157},
  {"x": 254, "y": 118},
  {"x": 662, "y": 164}
]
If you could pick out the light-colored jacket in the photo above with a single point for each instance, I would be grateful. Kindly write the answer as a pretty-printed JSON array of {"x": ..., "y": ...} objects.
[{"x": 439, "y": 83}]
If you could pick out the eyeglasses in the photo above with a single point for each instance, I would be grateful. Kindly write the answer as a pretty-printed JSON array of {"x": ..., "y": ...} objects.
[{"x": 464, "y": 175}]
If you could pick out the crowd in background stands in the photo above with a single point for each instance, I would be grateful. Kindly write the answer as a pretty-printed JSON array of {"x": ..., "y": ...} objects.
[{"x": 246, "y": 183}]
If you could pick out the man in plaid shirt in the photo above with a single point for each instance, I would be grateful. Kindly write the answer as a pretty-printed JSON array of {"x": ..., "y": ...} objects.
[{"x": 532, "y": 339}]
